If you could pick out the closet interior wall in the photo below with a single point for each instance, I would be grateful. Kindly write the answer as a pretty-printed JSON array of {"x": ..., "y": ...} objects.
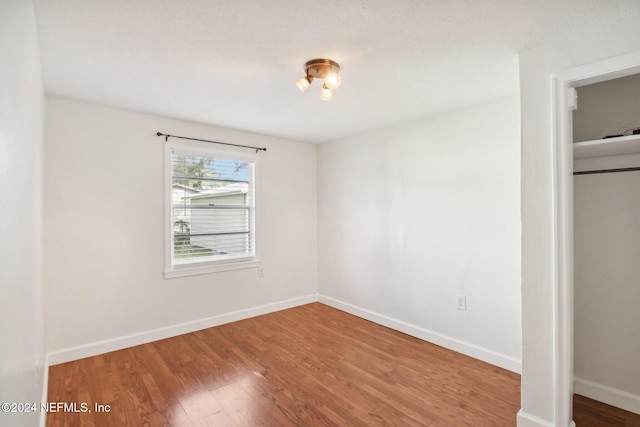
[{"x": 607, "y": 248}]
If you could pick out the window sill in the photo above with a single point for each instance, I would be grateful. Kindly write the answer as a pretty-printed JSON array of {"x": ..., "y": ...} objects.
[{"x": 192, "y": 271}]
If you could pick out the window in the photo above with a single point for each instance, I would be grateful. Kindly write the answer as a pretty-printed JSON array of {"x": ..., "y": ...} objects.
[{"x": 211, "y": 209}]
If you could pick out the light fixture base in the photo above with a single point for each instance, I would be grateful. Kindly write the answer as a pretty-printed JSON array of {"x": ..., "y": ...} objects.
[{"x": 319, "y": 68}]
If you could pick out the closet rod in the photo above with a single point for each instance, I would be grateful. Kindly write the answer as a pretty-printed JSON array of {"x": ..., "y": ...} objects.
[{"x": 607, "y": 171}]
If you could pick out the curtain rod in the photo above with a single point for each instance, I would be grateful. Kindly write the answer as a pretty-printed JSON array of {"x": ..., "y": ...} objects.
[
  {"x": 166, "y": 138},
  {"x": 607, "y": 171}
]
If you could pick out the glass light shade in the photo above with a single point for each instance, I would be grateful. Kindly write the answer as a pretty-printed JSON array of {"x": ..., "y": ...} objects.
[
  {"x": 332, "y": 80},
  {"x": 303, "y": 84},
  {"x": 327, "y": 94}
]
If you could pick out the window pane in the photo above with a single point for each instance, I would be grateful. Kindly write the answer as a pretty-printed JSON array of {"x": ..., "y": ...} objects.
[{"x": 212, "y": 208}]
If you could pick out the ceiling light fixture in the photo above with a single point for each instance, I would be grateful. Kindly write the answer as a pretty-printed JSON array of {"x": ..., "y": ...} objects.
[{"x": 324, "y": 69}]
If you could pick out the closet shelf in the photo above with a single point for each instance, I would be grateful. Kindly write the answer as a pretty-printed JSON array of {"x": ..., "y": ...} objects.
[{"x": 607, "y": 147}]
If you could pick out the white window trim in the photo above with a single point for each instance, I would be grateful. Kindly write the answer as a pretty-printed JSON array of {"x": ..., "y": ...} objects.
[
  {"x": 181, "y": 271},
  {"x": 190, "y": 269}
]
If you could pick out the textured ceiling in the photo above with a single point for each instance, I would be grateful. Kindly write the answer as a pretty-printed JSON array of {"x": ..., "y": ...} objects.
[{"x": 232, "y": 63}]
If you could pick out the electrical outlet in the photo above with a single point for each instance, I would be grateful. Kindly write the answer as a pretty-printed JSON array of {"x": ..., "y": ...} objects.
[
  {"x": 260, "y": 272},
  {"x": 461, "y": 302}
]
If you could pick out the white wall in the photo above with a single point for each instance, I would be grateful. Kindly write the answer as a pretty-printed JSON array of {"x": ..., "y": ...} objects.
[
  {"x": 539, "y": 399},
  {"x": 104, "y": 175},
  {"x": 21, "y": 129},
  {"x": 412, "y": 215},
  {"x": 607, "y": 108}
]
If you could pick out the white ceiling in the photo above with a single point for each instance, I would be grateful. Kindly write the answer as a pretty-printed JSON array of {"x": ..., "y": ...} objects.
[{"x": 232, "y": 63}]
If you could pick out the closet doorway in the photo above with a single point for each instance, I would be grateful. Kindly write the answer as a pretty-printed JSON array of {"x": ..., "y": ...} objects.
[
  {"x": 564, "y": 87},
  {"x": 606, "y": 242}
]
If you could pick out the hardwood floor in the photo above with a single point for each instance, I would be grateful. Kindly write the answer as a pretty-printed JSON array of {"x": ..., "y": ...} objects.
[
  {"x": 307, "y": 366},
  {"x": 591, "y": 413}
]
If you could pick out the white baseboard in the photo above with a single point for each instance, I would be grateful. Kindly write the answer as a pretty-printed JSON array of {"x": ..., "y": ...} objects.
[
  {"x": 528, "y": 420},
  {"x": 105, "y": 346},
  {"x": 472, "y": 350},
  {"x": 611, "y": 396}
]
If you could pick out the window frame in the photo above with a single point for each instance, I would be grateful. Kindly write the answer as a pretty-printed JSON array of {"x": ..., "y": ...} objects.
[{"x": 172, "y": 270}]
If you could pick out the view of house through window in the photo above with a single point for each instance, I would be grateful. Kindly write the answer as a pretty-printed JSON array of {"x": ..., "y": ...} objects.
[{"x": 212, "y": 209}]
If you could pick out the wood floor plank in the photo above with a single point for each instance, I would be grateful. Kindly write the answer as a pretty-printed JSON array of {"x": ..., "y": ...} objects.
[
  {"x": 591, "y": 413},
  {"x": 307, "y": 366}
]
